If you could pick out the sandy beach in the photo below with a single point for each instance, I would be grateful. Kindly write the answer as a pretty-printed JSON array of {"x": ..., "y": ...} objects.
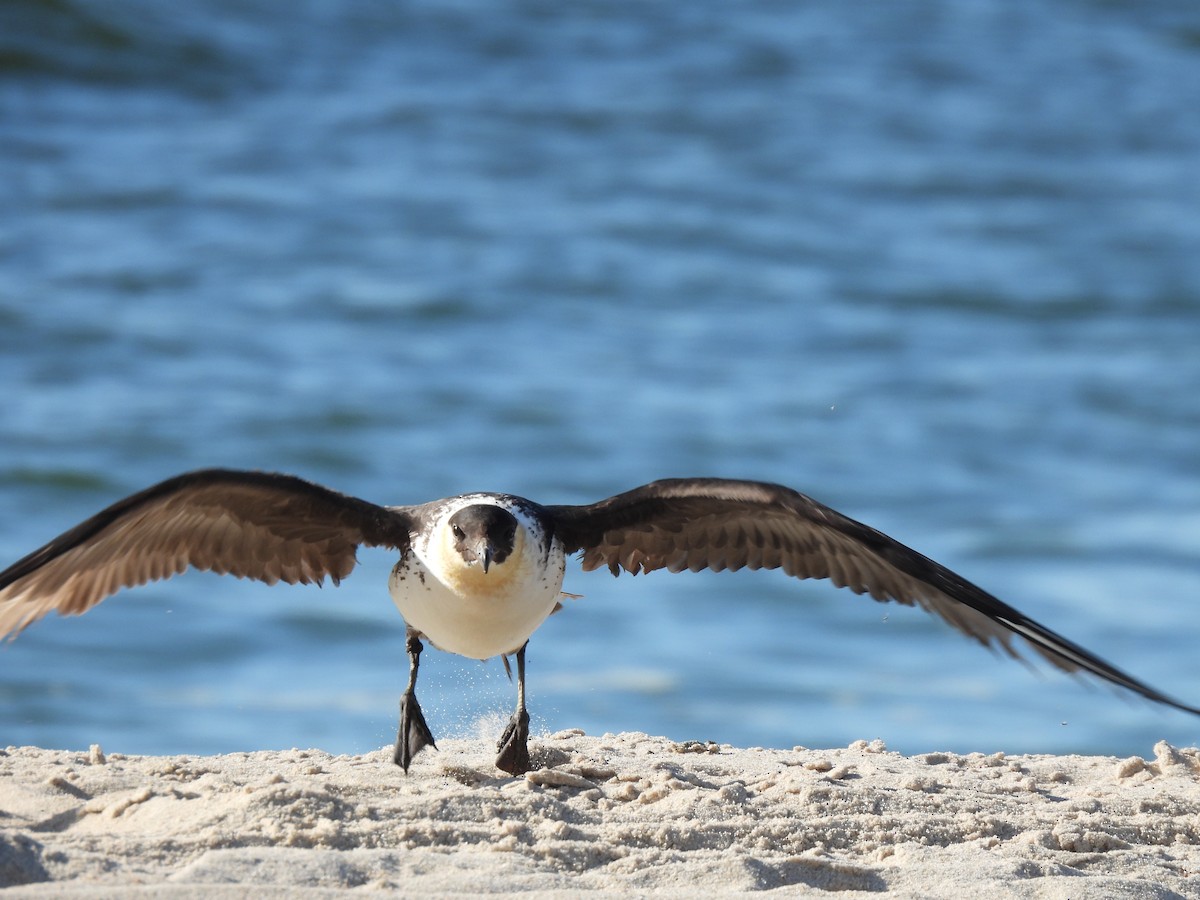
[{"x": 616, "y": 814}]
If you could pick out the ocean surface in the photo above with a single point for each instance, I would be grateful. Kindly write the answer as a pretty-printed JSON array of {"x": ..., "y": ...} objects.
[{"x": 936, "y": 264}]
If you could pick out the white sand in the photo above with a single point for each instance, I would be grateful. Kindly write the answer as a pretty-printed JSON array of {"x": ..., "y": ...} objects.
[{"x": 615, "y": 814}]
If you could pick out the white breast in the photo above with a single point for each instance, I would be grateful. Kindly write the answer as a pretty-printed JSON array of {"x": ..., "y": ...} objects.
[{"x": 463, "y": 610}]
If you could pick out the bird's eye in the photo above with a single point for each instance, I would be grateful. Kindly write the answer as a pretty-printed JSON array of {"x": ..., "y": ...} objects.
[{"x": 459, "y": 534}]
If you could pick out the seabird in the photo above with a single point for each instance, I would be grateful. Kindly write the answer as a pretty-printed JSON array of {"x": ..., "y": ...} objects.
[{"x": 478, "y": 573}]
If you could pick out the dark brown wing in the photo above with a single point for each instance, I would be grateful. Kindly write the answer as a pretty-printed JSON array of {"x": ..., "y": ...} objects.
[
  {"x": 250, "y": 524},
  {"x": 710, "y": 523}
]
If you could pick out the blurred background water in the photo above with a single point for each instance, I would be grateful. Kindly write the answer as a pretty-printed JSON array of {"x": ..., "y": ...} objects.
[{"x": 935, "y": 263}]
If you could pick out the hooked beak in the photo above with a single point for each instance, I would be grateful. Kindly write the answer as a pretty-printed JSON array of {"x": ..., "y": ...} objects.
[{"x": 483, "y": 552}]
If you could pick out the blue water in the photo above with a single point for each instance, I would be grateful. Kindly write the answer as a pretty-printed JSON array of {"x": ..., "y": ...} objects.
[{"x": 933, "y": 263}]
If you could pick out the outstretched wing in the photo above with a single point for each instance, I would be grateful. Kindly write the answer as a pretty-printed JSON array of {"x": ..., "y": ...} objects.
[
  {"x": 257, "y": 525},
  {"x": 711, "y": 523}
]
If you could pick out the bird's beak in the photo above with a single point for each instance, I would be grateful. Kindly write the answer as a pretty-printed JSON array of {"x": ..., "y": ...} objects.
[{"x": 485, "y": 555}]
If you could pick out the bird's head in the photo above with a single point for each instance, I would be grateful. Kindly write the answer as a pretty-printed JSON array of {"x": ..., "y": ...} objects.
[{"x": 482, "y": 535}]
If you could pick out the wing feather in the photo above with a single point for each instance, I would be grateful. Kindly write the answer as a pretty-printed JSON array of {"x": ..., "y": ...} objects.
[
  {"x": 718, "y": 524},
  {"x": 264, "y": 526}
]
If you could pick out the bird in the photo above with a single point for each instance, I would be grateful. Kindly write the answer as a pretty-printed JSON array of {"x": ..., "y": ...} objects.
[{"x": 478, "y": 573}]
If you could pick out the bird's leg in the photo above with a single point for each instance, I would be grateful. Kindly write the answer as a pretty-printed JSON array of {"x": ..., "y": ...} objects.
[
  {"x": 514, "y": 743},
  {"x": 413, "y": 734}
]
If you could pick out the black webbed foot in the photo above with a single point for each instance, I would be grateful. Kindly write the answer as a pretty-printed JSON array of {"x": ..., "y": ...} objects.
[
  {"x": 413, "y": 735},
  {"x": 514, "y": 745}
]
